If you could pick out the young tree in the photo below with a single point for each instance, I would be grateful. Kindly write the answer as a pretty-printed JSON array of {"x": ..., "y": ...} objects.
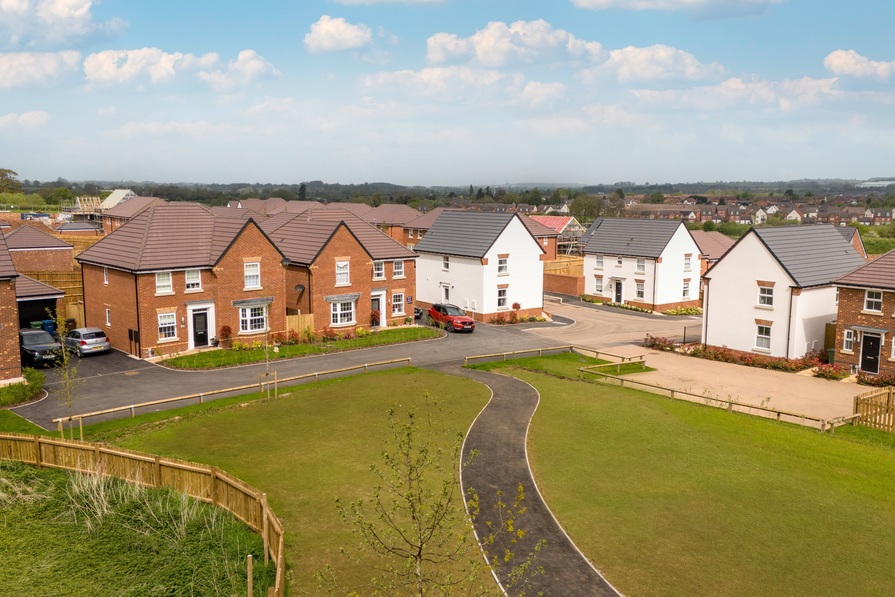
[
  {"x": 415, "y": 525},
  {"x": 66, "y": 366}
]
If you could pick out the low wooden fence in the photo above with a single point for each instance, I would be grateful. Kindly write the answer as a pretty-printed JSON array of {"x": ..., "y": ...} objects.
[
  {"x": 200, "y": 481},
  {"x": 265, "y": 381},
  {"x": 565, "y": 266},
  {"x": 300, "y": 323},
  {"x": 876, "y": 409}
]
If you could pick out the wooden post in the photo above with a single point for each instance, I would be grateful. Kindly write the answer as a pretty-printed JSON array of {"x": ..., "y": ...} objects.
[
  {"x": 249, "y": 572},
  {"x": 37, "y": 458},
  {"x": 214, "y": 485},
  {"x": 265, "y": 528},
  {"x": 61, "y": 430},
  {"x": 81, "y": 427},
  {"x": 158, "y": 471}
]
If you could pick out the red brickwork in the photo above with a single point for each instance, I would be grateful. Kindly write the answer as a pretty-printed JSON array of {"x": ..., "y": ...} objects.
[
  {"x": 571, "y": 285},
  {"x": 851, "y": 312},
  {"x": 44, "y": 260},
  {"x": 119, "y": 296},
  {"x": 10, "y": 359}
]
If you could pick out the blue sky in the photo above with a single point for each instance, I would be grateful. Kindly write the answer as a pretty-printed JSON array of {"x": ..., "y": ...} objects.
[{"x": 447, "y": 92}]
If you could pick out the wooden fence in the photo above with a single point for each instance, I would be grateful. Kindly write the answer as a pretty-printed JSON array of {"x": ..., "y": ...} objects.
[
  {"x": 299, "y": 323},
  {"x": 200, "y": 481},
  {"x": 565, "y": 266},
  {"x": 876, "y": 409}
]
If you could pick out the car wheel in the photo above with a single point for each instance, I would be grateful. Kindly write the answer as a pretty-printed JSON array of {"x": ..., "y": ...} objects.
[{"x": 449, "y": 326}]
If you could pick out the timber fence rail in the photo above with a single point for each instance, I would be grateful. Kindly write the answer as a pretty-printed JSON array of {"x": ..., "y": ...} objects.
[
  {"x": 265, "y": 380},
  {"x": 552, "y": 349},
  {"x": 200, "y": 481},
  {"x": 876, "y": 409}
]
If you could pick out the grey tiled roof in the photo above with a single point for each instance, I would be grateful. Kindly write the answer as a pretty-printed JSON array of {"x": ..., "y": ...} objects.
[
  {"x": 464, "y": 233},
  {"x": 812, "y": 255},
  {"x": 629, "y": 237}
]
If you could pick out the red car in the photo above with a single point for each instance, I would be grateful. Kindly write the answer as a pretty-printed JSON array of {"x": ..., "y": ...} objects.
[{"x": 452, "y": 317}]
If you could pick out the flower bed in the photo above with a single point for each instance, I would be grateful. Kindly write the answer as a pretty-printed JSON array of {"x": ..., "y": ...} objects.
[
  {"x": 880, "y": 380},
  {"x": 738, "y": 357}
]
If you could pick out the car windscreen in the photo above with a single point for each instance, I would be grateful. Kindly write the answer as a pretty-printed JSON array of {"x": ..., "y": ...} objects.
[
  {"x": 453, "y": 311},
  {"x": 37, "y": 339},
  {"x": 93, "y": 335}
]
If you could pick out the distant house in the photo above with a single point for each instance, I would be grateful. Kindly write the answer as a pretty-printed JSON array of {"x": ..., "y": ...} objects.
[
  {"x": 489, "y": 264},
  {"x": 392, "y": 219},
  {"x": 712, "y": 245},
  {"x": 652, "y": 264},
  {"x": 125, "y": 210},
  {"x": 772, "y": 293},
  {"x": 35, "y": 248},
  {"x": 570, "y": 233},
  {"x": 853, "y": 236},
  {"x": 865, "y": 331}
]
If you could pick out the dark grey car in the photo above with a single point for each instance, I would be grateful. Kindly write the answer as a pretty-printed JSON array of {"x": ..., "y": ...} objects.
[{"x": 38, "y": 347}]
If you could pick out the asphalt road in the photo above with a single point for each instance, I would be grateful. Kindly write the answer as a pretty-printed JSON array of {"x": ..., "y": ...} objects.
[{"x": 116, "y": 379}]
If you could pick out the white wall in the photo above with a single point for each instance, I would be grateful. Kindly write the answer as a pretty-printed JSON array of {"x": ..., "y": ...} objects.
[
  {"x": 525, "y": 270},
  {"x": 671, "y": 273},
  {"x": 464, "y": 278},
  {"x": 730, "y": 300},
  {"x": 812, "y": 310},
  {"x": 611, "y": 271}
]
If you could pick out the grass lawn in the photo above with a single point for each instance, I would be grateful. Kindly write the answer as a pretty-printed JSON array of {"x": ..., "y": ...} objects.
[
  {"x": 305, "y": 449},
  {"x": 214, "y": 359},
  {"x": 565, "y": 364},
  {"x": 673, "y": 498},
  {"x": 11, "y": 422}
]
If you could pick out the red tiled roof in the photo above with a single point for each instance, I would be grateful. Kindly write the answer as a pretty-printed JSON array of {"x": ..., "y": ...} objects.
[
  {"x": 7, "y": 269},
  {"x": 712, "y": 244},
  {"x": 879, "y": 273},
  {"x": 392, "y": 214},
  {"x": 29, "y": 237},
  {"x": 558, "y": 223}
]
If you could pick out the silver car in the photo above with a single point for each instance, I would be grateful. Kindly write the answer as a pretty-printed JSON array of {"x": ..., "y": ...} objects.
[{"x": 87, "y": 341}]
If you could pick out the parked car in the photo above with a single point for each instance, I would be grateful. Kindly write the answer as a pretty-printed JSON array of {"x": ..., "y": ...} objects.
[
  {"x": 452, "y": 317},
  {"x": 83, "y": 341},
  {"x": 418, "y": 312},
  {"x": 38, "y": 347}
]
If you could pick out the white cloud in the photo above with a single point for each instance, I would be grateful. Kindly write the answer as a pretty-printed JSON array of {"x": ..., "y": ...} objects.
[
  {"x": 538, "y": 94},
  {"x": 848, "y": 63},
  {"x": 42, "y": 23},
  {"x": 733, "y": 93},
  {"x": 26, "y": 120},
  {"x": 123, "y": 66},
  {"x": 653, "y": 63},
  {"x": 610, "y": 115},
  {"x": 706, "y": 7},
  {"x": 28, "y": 68},
  {"x": 330, "y": 34},
  {"x": 522, "y": 42},
  {"x": 248, "y": 67},
  {"x": 199, "y": 128},
  {"x": 446, "y": 82}
]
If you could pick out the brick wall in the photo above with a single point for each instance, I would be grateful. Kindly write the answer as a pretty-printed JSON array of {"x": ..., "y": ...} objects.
[
  {"x": 571, "y": 285},
  {"x": 119, "y": 296},
  {"x": 851, "y": 307},
  {"x": 10, "y": 359},
  {"x": 56, "y": 260}
]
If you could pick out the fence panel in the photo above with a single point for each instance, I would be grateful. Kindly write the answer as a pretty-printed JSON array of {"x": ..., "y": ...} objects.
[
  {"x": 299, "y": 323},
  {"x": 876, "y": 409},
  {"x": 196, "y": 480}
]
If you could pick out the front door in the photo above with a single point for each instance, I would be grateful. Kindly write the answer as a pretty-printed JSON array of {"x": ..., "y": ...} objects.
[
  {"x": 870, "y": 353},
  {"x": 375, "y": 307},
  {"x": 618, "y": 291},
  {"x": 445, "y": 293},
  {"x": 200, "y": 328}
]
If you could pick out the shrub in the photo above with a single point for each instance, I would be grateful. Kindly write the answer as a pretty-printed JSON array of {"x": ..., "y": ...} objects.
[
  {"x": 658, "y": 343},
  {"x": 880, "y": 380},
  {"x": 408, "y": 320},
  {"x": 516, "y": 306},
  {"x": 683, "y": 311},
  {"x": 627, "y": 307},
  {"x": 16, "y": 393},
  {"x": 827, "y": 371},
  {"x": 727, "y": 355},
  {"x": 499, "y": 319},
  {"x": 514, "y": 317},
  {"x": 226, "y": 332}
]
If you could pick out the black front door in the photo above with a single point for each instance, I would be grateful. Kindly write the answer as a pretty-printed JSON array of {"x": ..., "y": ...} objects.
[
  {"x": 200, "y": 328},
  {"x": 618, "y": 291},
  {"x": 870, "y": 354}
]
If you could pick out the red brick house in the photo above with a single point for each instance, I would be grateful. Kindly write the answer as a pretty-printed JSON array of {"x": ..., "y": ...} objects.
[
  {"x": 175, "y": 275},
  {"x": 33, "y": 250},
  {"x": 124, "y": 211},
  {"x": 865, "y": 330},
  {"x": 343, "y": 270},
  {"x": 10, "y": 362}
]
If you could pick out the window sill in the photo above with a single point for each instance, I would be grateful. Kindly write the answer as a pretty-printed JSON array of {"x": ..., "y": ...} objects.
[
  {"x": 343, "y": 325},
  {"x": 401, "y": 314},
  {"x": 379, "y": 278},
  {"x": 401, "y": 277},
  {"x": 874, "y": 313},
  {"x": 250, "y": 332},
  {"x": 193, "y": 290},
  {"x": 765, "y": 307},
  {"x": 166, "y": 293},
  {"x": 167, "y": 340},
  {"x": 252, "y": 288},
  {"x": 762, "y": 350},
  {"x": 843, "y": 351},
  {"x": 343, "y": 285}
]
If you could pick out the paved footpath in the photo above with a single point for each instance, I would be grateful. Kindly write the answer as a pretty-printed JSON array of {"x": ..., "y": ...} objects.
[{"x": 499, "y": 434}]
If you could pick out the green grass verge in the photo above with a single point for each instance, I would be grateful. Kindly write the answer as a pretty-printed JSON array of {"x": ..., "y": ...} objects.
[
  {"x": 564, "y": 364},
  {"x": 215, "y": 359},
  {"x": 674, "y": 498},
  {"x": 75, "y": 534},
  {"x": 11, "y": 422},
  {"x": 314, "y": 443}
]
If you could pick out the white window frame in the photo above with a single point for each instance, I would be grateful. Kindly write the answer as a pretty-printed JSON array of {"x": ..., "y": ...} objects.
[
  {"x": 619, "y": 261},
  {"x": 398, "y": 303},
  {"x": 599, "y": 262},
  {"x": 688, "y": 263},
  {"x": 870, "y": 302},
  {"x": 252, "y": 319},
  {"x": 640, "y": 290},
  {"x": 686, "y": 289},
  {"x": 398, "y": 268},
  {"x": 445, "y": 263},
  {"x": 340, "y": 311},
  {"x": 641, "y": 265},
  {"x": 106, "y": 276},
  {"x": 167, "y": 326},
  {"x": 502, "y": 266},
  {"x": 251, "y": 279},
  {"x": 761, "y": 339},
  {"x": 848, "y": 341},
  {"x": 108, "y": 317},
  {"x": 379, "y": 270},
  {"x": 161, "y": 285},
  {"x": 766, "y": 296},
  {"x": 192, "y": 285},
  {"x": 343, "y": 273},
  {"x": 501, "y": 298}
]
